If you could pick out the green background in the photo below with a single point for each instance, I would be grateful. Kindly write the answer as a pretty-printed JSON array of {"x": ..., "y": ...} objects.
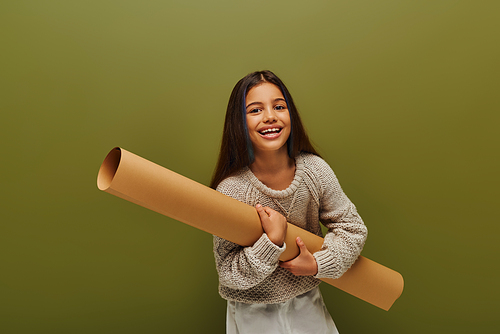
[{"x": 400, "y": 97}]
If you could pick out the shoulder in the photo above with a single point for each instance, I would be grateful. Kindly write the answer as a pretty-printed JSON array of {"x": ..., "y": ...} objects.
[
  {"x": 230, "y": 182},
  {"x": 315, "y": 164},
  {"x": 318, "y": 173},
  {"x": 233, "y": 185}
]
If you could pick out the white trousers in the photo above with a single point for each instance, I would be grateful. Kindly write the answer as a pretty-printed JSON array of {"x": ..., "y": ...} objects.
[{"x": 304, "y": 314}]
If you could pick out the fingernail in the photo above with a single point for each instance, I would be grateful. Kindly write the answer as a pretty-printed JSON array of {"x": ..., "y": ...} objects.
[{"x": 258, "y": 206}]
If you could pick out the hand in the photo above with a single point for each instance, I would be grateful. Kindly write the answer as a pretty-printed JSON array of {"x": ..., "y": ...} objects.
[
  {"x": 304, "y": 264},
  {"x": 273, "y": 223}
]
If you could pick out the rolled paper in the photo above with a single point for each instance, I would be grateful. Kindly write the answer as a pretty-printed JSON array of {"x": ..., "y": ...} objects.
[{"x": 145, "y": 183}]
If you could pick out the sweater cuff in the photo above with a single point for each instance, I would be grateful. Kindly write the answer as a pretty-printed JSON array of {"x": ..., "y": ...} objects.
[
  {"x": 327, "y": 268},
  {"x": 267, "y": 251}
]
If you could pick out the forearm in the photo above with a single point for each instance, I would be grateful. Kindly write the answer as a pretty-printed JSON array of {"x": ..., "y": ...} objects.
[
  {"x": 244, "y": 267},
  {"x": 341, "y": 247}
]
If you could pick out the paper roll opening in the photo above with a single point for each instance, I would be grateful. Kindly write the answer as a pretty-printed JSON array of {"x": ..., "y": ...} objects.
[{"x": 108, "y": 168}]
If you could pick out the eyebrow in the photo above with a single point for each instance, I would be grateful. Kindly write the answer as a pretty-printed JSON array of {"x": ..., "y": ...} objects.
[{"x": 275, "y": 100}]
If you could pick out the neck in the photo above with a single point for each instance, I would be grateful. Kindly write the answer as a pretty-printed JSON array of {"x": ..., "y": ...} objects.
[{"x": 272, "y": 162}]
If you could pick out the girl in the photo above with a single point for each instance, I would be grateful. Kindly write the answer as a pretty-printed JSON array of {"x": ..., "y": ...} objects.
[{"x": 267, "y": 161}]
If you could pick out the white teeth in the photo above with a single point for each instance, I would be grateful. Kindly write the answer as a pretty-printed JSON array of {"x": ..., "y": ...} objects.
[{"x": 270, "y": 130}]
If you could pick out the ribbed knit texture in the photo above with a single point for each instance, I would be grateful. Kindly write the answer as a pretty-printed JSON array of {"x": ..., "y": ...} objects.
[{"x": 251, "y": 274}]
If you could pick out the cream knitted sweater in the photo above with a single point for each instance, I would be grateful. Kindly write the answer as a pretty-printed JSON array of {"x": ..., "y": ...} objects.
[{"x": 251, "y": 274}]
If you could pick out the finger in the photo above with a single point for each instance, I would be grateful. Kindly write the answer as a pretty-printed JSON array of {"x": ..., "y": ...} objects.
[
  {"x": 268, "y": 211},
  {"x": 261, "y": 211},
  {"x": 285, "y": 265},
  {"x": 301, "y": 244}
]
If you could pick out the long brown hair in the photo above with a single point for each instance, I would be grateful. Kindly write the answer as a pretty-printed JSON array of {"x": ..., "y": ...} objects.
[{"x": 236, "y": 149}]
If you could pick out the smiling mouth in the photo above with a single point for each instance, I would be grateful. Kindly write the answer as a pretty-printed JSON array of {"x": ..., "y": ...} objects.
[{"x": 270, "y": 132}]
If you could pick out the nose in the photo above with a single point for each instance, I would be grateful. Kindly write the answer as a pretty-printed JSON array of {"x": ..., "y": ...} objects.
[{"x": 269, "y": 116}]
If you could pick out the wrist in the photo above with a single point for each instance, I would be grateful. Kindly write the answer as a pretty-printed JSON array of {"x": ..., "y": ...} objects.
[{"x": 278, "y": 241}]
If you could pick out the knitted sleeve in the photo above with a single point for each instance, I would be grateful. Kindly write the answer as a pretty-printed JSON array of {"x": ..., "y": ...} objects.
[
  {"x": 244, "y": 267},
  {"x": 346, "y": 231}
]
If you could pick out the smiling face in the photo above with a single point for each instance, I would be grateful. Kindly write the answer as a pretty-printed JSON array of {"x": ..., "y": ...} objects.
[{"x": 268, "y": 119}]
